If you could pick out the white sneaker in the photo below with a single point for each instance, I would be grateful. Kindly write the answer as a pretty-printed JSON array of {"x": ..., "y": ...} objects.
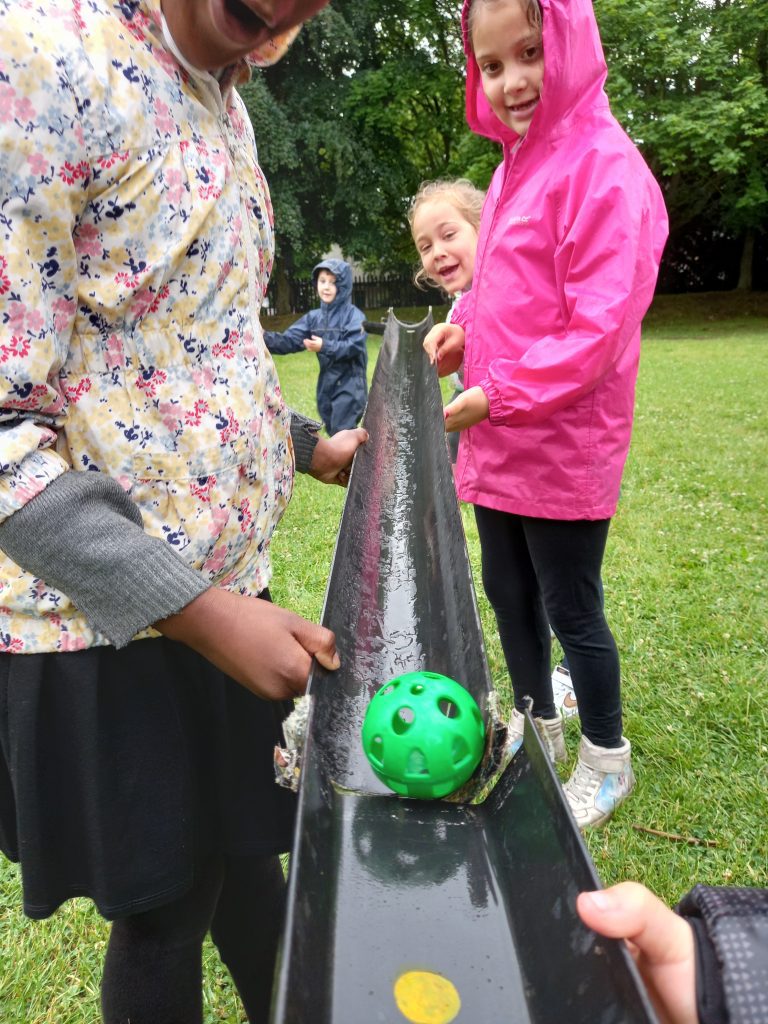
[
  {"x": 563, "y": 692},
  {"x": 550, "y": 730},
  {"x": 602, "y": 779}
]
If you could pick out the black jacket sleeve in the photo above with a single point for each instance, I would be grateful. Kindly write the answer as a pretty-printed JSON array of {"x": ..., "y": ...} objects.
[{"x": 731, "y": 930}]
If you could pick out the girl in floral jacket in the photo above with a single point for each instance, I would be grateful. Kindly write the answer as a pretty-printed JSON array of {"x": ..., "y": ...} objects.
[{"x": 146, "y": 457}]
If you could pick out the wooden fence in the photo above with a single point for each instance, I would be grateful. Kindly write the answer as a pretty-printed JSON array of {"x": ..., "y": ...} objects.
[{"x": 368, "y": 292}]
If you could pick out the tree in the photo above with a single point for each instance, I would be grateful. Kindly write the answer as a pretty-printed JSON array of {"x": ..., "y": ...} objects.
[
  {"x": 689, "y": 81},
  {"x": 295, "y": 109},
  {"x": 368, "y": 103}
]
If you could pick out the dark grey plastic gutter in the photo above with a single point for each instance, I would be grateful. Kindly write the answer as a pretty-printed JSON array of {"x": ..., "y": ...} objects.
[{"x": 481, "y": 894}]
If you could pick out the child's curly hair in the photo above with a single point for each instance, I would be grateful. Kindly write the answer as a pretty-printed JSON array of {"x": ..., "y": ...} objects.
[{"x": 467, "y": 198}]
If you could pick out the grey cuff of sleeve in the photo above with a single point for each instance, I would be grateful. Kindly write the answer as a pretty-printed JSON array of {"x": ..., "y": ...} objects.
[
  {"x": 304, "y": 436},
  {"x": 84, "y": 536}
]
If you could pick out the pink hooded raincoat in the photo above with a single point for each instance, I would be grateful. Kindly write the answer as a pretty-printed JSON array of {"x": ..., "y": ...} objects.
[{"x": 568, "y": 252}]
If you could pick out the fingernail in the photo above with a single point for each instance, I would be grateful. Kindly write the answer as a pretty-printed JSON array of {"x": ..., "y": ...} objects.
[
  {"x": 601, "y": 900},
  {"x": 336, "y": 660}
]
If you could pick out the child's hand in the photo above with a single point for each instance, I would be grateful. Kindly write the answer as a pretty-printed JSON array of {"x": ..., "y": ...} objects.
[
  {"x": 444, "y": 344},
  {"x": 469, "y": 408},
  {"x": 661, "y": 943},
  {"x": 266, "y": 649},
  {"x": 332, "y": 457},
  {"x": 314, "y": 344}
]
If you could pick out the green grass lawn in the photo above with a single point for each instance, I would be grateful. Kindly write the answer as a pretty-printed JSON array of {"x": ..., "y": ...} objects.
[{"x": 686, "y": 581}]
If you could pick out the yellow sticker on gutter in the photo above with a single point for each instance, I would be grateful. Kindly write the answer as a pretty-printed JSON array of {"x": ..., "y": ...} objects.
[{"x": 426, "y": 998}]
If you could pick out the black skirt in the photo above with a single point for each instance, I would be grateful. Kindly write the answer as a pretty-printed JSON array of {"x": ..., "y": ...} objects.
[{"x": 122, "y": 772}]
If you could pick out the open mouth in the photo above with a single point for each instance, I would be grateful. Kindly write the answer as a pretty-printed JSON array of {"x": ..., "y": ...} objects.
[
  {"x": 522, "y": 109},
  {"x": 449, "y": 271},
  {"x": 245, "y": 17}
]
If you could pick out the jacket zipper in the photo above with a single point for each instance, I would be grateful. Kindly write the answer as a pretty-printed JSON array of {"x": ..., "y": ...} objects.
[{"x": 507, "y": 171}]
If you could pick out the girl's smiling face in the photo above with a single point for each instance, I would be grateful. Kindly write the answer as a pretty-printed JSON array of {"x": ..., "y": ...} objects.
[
  {"x": 446, "y": 244},
  {"x": 509, "y": 54},
  {"x": 214, "y": 33}
]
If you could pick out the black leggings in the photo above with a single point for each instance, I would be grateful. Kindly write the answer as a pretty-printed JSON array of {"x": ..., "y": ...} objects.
[
  {"x": 538, "y": 572},
  {"x": 153, "y": 966}
]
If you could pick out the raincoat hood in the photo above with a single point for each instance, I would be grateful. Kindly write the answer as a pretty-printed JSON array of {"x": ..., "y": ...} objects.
[
  {"x": 343, "y": 274},
  {"x": 574, "y": 73}
]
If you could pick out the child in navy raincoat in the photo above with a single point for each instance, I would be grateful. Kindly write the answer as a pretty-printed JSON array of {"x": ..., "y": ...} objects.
[{"x": 335, "y": 331}]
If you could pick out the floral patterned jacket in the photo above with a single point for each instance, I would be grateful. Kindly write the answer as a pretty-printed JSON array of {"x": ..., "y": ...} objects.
[{"x": 136, "y": 242}]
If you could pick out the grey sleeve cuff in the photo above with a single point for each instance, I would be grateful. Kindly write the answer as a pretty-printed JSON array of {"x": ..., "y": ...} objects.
[
  {"x": 84, "y": 536},
  {"x": 304, "y": 436}
]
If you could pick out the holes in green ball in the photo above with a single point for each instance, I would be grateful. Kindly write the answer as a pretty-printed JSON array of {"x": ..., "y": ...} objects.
[
  {"x": 376, "y": 753},
  {"x": 459, "y": 751},
  {"x": 416, "y": 765},
  {"x": 448, "y": 707},
  {"x": 402, "y": 720}
]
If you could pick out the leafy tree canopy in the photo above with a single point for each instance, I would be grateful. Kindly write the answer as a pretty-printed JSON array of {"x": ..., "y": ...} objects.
[
  {"x": 370, "y": 102},
  {"x": 689, "y": 81},
  {"x": 367, "y": 105}
]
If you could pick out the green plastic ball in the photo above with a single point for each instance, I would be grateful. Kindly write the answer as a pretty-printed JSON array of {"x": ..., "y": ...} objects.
[{"x": 423, "y": 735}]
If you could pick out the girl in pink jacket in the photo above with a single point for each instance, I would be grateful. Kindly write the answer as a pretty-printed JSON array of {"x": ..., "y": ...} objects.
[{"x": 569, "y": 247}]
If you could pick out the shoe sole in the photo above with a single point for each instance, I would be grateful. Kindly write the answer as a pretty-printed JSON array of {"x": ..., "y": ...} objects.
[
  {"x": 608, "y": 814},
  {"x": 595, "y": 824}
]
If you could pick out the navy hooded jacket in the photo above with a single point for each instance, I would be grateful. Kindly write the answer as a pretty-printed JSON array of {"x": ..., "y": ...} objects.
[{"x": 342, "y": 385}]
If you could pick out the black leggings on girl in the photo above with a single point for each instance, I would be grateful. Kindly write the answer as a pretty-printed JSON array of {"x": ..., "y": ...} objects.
[
  {"x": 153, "y": 966},
  {"x": 538, "y": 572}
]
